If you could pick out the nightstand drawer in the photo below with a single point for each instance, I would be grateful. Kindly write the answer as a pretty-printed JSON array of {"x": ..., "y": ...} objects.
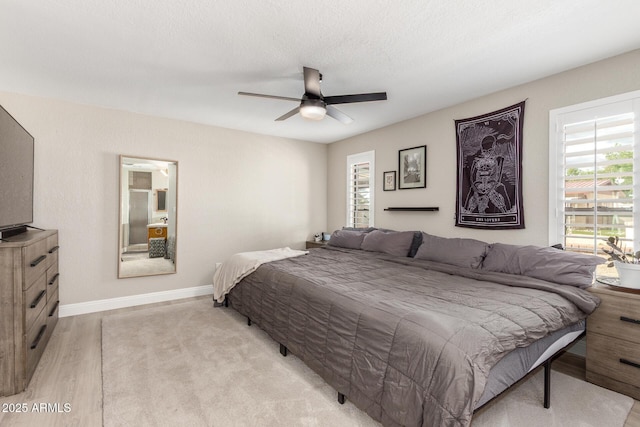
[
  {"x": 613, "y": 358},
  {"x": 616, "y": 317},
  {"x": 311, "y": 244}
]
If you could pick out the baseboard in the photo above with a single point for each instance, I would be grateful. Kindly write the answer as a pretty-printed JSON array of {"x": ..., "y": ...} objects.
[{"x": 133, "y": 300}]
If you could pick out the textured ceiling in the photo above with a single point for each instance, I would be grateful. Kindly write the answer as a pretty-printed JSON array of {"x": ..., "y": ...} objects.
[{"x": 187, "y": 59}]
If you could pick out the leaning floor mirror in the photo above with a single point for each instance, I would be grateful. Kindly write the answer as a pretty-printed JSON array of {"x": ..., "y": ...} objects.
[{"x": 148, "y": 217}]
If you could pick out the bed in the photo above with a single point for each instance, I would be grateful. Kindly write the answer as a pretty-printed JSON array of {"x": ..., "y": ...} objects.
[{"x": 412, "y": 340}]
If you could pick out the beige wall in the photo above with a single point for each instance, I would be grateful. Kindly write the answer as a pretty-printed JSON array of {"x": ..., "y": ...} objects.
[
  {"x": 240, "y": 191},
  {"x": 436, "y": 130},
  {"x": 237, "y": 191}
]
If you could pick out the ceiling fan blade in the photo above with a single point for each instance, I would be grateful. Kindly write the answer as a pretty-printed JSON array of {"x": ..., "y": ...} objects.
[
  {"x": 284, "y": 98},
  {"x": 338, "y": 115},
  {"x": 312, "y": 81},
  {"x": 363, "y": 97},
  {"x": 289, "y": 114}
]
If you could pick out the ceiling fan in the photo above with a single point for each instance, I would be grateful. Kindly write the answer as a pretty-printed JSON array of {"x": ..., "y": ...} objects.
[{"x": 314, "y": 106}]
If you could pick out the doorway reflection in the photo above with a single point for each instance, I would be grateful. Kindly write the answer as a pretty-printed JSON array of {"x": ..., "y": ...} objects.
[{"x": 148, "y": 214}]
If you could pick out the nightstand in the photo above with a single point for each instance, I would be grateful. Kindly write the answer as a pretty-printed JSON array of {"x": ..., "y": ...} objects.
[
  {"x": 613, "y": 340},
  {"x": 312, "y": 244}
]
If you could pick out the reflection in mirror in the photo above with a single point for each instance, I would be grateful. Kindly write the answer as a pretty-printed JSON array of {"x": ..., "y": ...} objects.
[
  {"x": 148, "y": 217},
  {"x": 161, "y": 199}
]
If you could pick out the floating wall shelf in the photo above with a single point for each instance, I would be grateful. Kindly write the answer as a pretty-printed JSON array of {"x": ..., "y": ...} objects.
[{"x": 414, "y": 209}]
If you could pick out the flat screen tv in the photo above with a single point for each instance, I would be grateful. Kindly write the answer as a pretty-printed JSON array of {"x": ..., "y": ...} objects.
[{"x": 16, "y": 174}]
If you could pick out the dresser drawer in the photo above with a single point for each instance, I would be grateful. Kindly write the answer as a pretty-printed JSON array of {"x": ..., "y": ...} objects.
[
  {"x": 34, "y": 262},
  {"x": 34, "y": 300},
  {"x": 616, "y": 317},
  {"x": 53, "y": 278},
  {"x": 52, "y": 250},
  {"x": 51, "y": 312},
  {"x": 613, "y": 358},
  {"x": 52, "y": 306},
  {"x": 36, "y": 342}
]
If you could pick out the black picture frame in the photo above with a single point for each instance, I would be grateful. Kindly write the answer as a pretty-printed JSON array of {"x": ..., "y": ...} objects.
[
  {"x": 412, "y": 167},
  {"x": 389, "y": 181}
]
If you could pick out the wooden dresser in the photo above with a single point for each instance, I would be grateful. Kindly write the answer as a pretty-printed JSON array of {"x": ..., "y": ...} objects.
[
  {"x": 613, "y": 340},
  {"x": 28, "y": 304},
  {"x": 310, "y": 244}
]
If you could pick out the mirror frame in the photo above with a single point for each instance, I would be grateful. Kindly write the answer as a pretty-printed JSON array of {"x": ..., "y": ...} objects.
[{"x": 173, "y": 216}]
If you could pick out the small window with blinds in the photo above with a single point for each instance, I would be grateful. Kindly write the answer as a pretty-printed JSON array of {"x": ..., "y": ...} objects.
[
  {"x": 594, "y": 174},
  {"x": 360, "y": 189}
]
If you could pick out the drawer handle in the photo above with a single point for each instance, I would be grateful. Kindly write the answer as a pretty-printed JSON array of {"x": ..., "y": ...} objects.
[
  {"x": 53, "y": 310},
  {"x": 630, "y": 363},
  {"x": 35, "y": 343},
  {"x": 53, "y": 279},
  {"x": 54, "y": 249},
  {"x": 38, "y": 261},
  {"x": 38, "y": 298},
  {"x": 630, "y": 320}
]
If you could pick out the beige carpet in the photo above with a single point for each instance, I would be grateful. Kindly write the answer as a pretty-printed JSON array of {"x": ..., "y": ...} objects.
[{"x": 192, "y": 364}]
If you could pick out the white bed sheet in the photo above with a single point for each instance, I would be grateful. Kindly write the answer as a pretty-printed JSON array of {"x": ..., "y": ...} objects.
[{"x": 238, "y": 266}]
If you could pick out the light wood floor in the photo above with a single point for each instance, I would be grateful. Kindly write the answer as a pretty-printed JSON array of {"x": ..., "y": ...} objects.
[{"x": 70, "y": 372}]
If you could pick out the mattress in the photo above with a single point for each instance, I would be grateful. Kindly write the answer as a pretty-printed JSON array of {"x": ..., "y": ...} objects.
[{"x": 523, "y": 360}]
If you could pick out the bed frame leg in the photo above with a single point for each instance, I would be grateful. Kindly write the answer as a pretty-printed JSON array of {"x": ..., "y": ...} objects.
[
  {"x": 341, "y": 398},
  {"x": 547, "y": 384},
  {"x": 283, "y": 350},
  {"x": 248, "y": 321},
  {"x": 226, "y": 302}
]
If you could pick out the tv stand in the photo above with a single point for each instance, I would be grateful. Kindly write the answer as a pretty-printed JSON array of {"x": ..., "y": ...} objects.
[{"x": 13, "y": 231}]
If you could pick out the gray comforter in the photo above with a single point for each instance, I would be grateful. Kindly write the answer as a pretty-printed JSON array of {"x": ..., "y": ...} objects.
[{"x": 410, "y": 342}]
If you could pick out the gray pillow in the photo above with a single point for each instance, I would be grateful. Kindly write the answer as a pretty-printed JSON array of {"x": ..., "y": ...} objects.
[
  {"x": 455, "y": 251},
  {"x": 415, "y": 243},
  {"x": 365, "y": 229},
  {"x": 389, "y": 242},
  {"x": 545, "y": 263},
  {"x": 346, "y": 239}
]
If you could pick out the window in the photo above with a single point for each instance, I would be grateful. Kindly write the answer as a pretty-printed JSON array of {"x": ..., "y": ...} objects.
[
  {"x": 594, "y": 167},
  {"x": 360, "y": 189}
]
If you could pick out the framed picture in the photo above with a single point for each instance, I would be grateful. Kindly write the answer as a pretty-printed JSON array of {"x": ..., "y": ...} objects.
[
  {"x": 412, "y": 164},
  {"x": 389, "y": 181}
]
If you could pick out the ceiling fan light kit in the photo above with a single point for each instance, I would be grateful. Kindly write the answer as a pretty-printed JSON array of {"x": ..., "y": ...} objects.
[
  {"x": 314, "y": 106},
  {"x": 313, "y": 110}
]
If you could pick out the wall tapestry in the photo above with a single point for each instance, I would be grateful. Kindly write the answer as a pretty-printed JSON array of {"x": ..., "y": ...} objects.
[{"x": 489, "y": 154}]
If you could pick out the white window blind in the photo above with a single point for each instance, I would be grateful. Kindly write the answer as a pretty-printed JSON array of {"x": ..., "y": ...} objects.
[
  {"x": 360, "y": 189},
  {"x": 594, "y": 174}
]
